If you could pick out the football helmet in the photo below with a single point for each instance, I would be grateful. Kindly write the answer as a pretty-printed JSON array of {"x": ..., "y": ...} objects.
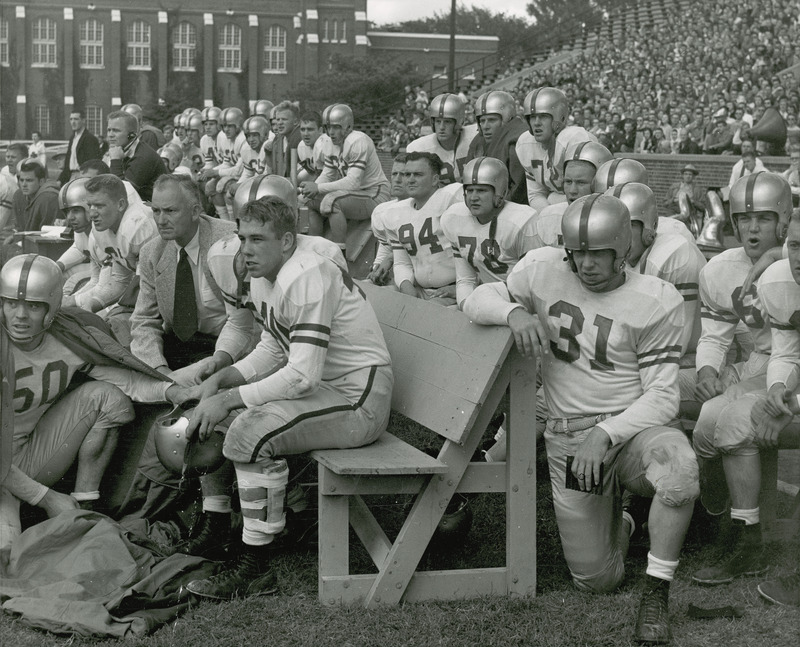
[
  {"x": 489, "y": 171},
  {"x": 73, "y": 194},
  {"x": 232, "y": 117},
  {"x": 641, "y": 203},
  {"x": 212, "y": 113},
  {"x": 619, "y": 171},
  {"x": 194, "y": 122},
  {"x": 592, "y": 152},
  {"x": 172, "y": 154},
  {"x": 447, "y": 106},
  {"x": 134, "y": 109},
  {"x": 263, "y": 185},
  {"x": 263, "y": 107},
  {"x": 258, "y": 124},
  {"x": 597, "y": 222},
  {"x": 32, "y": 277},
  {"x": 180, "y": 455},
  {"x": 176, "y": 121},
  {"x": 762, "y": 191},
  {"x": 496, "y": 102},
  {"x": 338, "y": 114},
  {"x": 548, "y": 101}
]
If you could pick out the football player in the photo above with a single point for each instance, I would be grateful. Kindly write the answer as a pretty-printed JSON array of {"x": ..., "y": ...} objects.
[
  {"x": 541, "y": 148},
  {"x": 311, "y": 149},
  {"x": 193, "y": 158},
  {"x": 487, "y": 234},
  {"x": 450, "y": 138},
  {"x": 212, "y": 133},
  {"x": 82, "y": 261},
  {"x": 384, "y": 258},
  {"x": 609, "y": 343},
  {"x": 53, "y": 425},
  {"x": 422, "y": 256},
  {"x": 254, "y": 155},
  {"x": 230, "y": 169},
  {"x": 352, "y": 182}
]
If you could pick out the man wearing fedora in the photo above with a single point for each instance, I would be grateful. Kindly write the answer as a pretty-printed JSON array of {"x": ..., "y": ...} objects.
[
  {"x": 720, "y": 139},
  {"x": 686, "y": 186}
]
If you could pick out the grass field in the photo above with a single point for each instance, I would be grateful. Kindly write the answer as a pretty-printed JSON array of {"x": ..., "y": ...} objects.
[{"x": 558, "y": 617}]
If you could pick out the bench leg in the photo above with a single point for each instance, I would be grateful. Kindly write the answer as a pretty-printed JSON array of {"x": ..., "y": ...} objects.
[
  {"x": 334, "y": 550},
  {"x": 769, "y": 484}
]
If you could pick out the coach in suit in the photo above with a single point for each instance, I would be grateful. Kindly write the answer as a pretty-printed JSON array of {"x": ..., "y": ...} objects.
[
  {"x": 82, "y": 147},
  {"x": 180, "y": 320},
  {"x": 129, "y": 157}
]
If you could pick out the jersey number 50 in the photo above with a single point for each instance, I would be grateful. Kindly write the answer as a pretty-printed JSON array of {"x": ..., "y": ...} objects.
[{"x": 603, "y": 325}]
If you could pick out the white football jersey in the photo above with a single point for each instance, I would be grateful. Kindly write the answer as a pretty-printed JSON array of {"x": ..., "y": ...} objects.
[
  {"x": 312, "y": 160},
  {"x": 453, "y": 161},
  {"x": 610, "y": 352},
  {"x": 379, "y": 219},
  {"x": 422, "y": 255},
  {"x": 353, "y": 168},
  {"x": 544, "y": 171},
  {"x": 231, "y": 152},
  {"x": 548, "y": 225},
  {"x": 723, "y": 306},
  {"x": 254, "y": 162},
  {"x": 487, "y": 252},
  {"x": 780, "y": 298},
  {"x": 674, "y": 226},
  {"x": 211, "y": 148}
]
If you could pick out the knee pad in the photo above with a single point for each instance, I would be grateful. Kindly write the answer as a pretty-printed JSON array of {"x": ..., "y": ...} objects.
[
  {"x": 262, "y": 495},
  {"x": 674, "y": 474},
  {"x": 734, "y": 432}
]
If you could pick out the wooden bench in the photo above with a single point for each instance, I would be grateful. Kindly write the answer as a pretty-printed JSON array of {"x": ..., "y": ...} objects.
[{"x": 450, "y": 375}]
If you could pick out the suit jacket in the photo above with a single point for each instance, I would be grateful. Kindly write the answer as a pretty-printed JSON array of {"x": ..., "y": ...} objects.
[
  {"x": 153, "y": 314},
  {"x": 141, "y": 169},
  {"x": 88, "y": 149}
]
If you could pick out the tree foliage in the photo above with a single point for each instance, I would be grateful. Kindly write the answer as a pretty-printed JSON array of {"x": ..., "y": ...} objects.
[{"x": 549, "y": 14}]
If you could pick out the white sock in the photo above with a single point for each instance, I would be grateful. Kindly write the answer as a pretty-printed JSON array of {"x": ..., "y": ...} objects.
[
  {"x": 750, "y": 517},
  {"x": 660, "y": 568},
  {"x": 217, "y": 503}
]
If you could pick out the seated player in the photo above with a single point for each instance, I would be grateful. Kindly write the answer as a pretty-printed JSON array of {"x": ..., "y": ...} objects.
[
  {"x": 328, "y": 384},
  {"x": 450, "y": 138},
  {"x": 230, "y": 149},
  {"x": 212, "y": 144},
  {"x": 311, "y": 149},
  {"x": 487, "y": 234},
  {"x": 351, "y": 184},
  {"x": 760, "y": 209},
  {"x": 172, "y": 156},
  {"x": 609, "y": 342},
  {"x": 542, "y": 147},
  {"x": 254, "y": 155},
  {"x": 499, "y": 129},
  {"x": 81, "y": 263},
  {"x": 35, "y": 203},
  {"x": 422, "y": 257},
  {"x": 581, "y": 162},
  {"x": 384, "y": 258},
  {"x": 192, "y": 157},
  {"x": 53, "y": 425}
]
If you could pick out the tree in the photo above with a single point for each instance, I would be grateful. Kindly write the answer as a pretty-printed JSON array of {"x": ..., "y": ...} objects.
[{"x": 550, "y": 14}]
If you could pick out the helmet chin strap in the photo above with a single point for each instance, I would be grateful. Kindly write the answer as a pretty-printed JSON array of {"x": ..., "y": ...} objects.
[{"x": 24, "y": 340}]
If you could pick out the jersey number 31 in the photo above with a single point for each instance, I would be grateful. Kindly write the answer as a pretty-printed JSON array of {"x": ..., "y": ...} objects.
[{"x": 570, "y": 334}]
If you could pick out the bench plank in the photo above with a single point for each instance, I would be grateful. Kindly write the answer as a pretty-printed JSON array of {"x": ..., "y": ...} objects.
[{"x": 386, "y": 456}]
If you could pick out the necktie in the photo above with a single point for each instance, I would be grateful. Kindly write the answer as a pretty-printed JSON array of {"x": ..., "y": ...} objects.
[{"x": 184, "y": 322}]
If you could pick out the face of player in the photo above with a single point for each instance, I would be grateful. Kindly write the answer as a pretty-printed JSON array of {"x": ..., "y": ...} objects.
[
  {"x": 420, "y": 180},
  {"x": 28, "y": 183},
  {"x": 75, "y": 121},
  {"x": 399, "y": 181},
  {"x": 542, "y": 126},
  {"x": 78, "y": 219},
  {"x": 211, "y": 128},
  {"x": 12, "y": 159},
  {"x": 231, "y": 130},
  {"x": 758, "y": 232},
  {"x": 793, "y": 247},
  {"x": 446, "y": 131},
  {"x": 175, "y": 217},
  {"x": 481, "y": 202},
  {"x": 24, "y": 321},
  {"x": 193, "y": 137},
  {"x": 489, "y": 125},
  {"x": 309, "y": 132},
  {"x": 578, "y": 178},
  {"x": 255, "y": 140},
  {"x": 338, "y": 133},
  {"x": 264, "y": 253},
  {"x": 105, "y": 212},
  {"x": 598, "y": 269},
  {"x": 168, "y": 131},
  {"x": 169, "y": 164}
]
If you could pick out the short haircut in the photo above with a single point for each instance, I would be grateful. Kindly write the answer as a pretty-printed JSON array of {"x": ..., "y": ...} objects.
[
  {"x": 131, "y": 122},
  {"x": 314, "y": 116},
  {"x": 286, "y": 106},
  {"x": 273, "y": 211},
  {"x": 78, "y": 111},
  {"x": 750, "y": 154},
  {"x": 400, "y": 158},
  {"x": 21, "y": 149},
  {"x": 109, "y": 184},
  {"x": 431, "y": 159},
  {"x": 30, "y": 165},
  {"x": 795, "y": 217},
  {"x": 36, "y": 132},
  {"x": 185, "y": 184},
  {"x": 95, "y": 165}
]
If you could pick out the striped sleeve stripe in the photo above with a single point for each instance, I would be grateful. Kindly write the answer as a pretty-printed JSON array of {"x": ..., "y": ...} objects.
[
  {"x": 299, "y": 339},
  {"x": 358, "y": 164},
  {"x": 689, "y": 291},
  {"x": 663, "y": 360},
  {"x": 666, "y": 355},
  {"x": 311, "y": 326},
  {"x": 707, "y": 313},
  {"x": 675, "y": 348},
  {"x": 281, "y": 339},
  {"x": 686, "y": 286}
]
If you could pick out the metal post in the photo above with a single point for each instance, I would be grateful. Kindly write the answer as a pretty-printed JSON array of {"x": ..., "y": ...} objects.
[{"x": 451, "y": 68}]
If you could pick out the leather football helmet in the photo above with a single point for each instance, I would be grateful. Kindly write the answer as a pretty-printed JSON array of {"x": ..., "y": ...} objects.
[
  {"x": 212, "y": 113},
  {"x": 619, "y": 171},
  {"x": 172, "y": 154},
  {"x": 338, "y": 114},
  {"x": 263, "y": 185},
  {"x": 447, "y": 106},
  {"x": 592, "y": 152},
  {"x": 232, "y": 117},
  {"x": 641, "y": 203},
  {"x": 73, "y": 194},
  {"x": 258, "y": 124},
  {"x": 489, "y": 171},
  {"x": 496, "y": 102},
  {"x": 762, "y": 191},
  {"x": 194, "y": 122},
  {"x": 134, "y": 109},
  {"x": 597, "y": 222},
  {"x": 263, "y": 107},
  {"x": 548, "y": 101},
  {"x": 32, "y": 277},
  {"x": 176, "y": 121},
  {"x": 180, "y": 455}
]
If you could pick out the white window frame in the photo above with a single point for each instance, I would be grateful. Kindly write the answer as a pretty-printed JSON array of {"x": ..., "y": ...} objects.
[
  {"x": 41, "y": 118},
  {"x": 335, "y": 38},
  {"x": 139, "y": 35},
  {"x": 4, "y": 52},
  {"x": 325, "y": 27},
  {"x": 230, "y": 48},
  {"x": 94, "y": 119},
  {"x": 91, "y": 38},
  {"x": 44, "y": 43},
  {"x": 274, "y": 54},
  {"x": 343, "y": 39},
  {"x": 184, "y": 47}
]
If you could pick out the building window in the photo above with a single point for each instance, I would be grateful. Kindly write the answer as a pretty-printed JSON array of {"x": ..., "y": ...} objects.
[
  {"x": 230, "y": 49},
  {"x": 91, "y": 44},
  {"x": 3, "y": 42},
  {"x": 325, "y": 31},
  {"x": 44, "y": 43},
  {"x": 343, "y": 38},
  {"x": 138, "y": 45},
  {"x": 184, "y": 46},
  {"x": 41, "y": 118},
  {"x": 94, "y": 120},
  {"x": 335, "y": 38},
  {"x": 275, "y": 50}
]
